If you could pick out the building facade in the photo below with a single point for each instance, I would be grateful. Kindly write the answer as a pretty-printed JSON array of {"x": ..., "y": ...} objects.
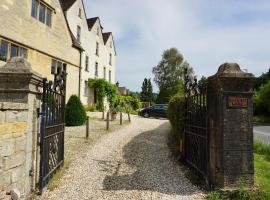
[
  {"x": 99, "y": 57},
  {"x": 38, "y": 31}
]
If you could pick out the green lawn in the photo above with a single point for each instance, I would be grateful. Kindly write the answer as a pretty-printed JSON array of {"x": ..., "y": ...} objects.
[{"x": 262, "y": 179}]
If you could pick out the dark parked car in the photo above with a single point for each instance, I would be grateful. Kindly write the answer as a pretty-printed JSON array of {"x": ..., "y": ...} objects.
[{"x": 158, "y": 110}]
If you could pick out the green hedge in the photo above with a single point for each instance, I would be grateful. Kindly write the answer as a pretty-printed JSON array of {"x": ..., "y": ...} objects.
[
  {"x": 75, "y": 112},
  {"x": 176, "y": 114}
]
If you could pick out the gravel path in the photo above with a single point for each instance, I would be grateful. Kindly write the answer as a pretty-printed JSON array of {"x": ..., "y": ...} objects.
[{"x": 131, "y": 163}]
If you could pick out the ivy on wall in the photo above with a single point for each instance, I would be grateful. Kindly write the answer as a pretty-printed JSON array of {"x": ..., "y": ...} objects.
[{"x": 103, "y": 89}]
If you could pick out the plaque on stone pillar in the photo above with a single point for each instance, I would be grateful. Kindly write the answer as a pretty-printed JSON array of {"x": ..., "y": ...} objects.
[{"x": 237, "y": 102}]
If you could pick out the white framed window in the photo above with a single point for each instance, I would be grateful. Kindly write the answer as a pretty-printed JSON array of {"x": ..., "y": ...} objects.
[
  {"x": 85, "y": 88},
  {"x": 104, "y": 73},
  {"x": 98, "y": 30},
  {"x": 110, "y": 76},
  {"x": 110, "y": 61},
  {"x": 80, "y": 13},
  {"x": 79, "y": 33},
  {"x": 97, "y": 48},
  {"x": 96, "y": 69},
  {"x": 86, "y": 63}
]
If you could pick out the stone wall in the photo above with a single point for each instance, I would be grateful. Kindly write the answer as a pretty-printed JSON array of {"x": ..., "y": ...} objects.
[{"x": 19, "y": 100}]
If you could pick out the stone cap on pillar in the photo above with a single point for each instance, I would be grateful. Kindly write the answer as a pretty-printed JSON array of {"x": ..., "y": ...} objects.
[
  {"x": 232, "y": 70},
  {"x": 230, "y": 77},
  {"x": 18, "y": 65},
  {"x": 17, "y": 79}
]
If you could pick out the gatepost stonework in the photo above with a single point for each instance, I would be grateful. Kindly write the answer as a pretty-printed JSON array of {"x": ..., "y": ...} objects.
[
  {"x": 19, "y": 100},
  {"x": 230, "y": 110}
]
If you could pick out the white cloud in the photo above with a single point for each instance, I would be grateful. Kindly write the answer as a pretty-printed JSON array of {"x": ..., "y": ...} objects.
[{"x": 207, "y": 32}]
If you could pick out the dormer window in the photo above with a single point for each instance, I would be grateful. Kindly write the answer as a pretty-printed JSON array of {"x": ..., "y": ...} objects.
[{"x": 80, "y": 13}]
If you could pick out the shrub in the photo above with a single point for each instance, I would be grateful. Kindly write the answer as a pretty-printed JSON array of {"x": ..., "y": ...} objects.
[
  {"x": 75, "y": 112},
  {"x": 176, "y": 114}
]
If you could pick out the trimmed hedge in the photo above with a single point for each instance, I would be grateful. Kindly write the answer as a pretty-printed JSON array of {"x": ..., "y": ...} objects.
[
  {"x": 176, "y": 114},
  {"x": 75, "y": 112}
]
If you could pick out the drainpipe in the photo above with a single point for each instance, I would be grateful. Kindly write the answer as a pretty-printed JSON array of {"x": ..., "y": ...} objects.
[{"x": 80, "y": 74}]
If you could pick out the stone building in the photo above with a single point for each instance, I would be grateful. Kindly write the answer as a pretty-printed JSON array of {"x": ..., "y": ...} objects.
[
  {"x": 38, "y": 31},
  {"x": 99, "y": 57}
]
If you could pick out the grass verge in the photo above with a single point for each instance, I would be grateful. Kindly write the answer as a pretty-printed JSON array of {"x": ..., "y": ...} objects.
[{"x": 262, "y": 179}]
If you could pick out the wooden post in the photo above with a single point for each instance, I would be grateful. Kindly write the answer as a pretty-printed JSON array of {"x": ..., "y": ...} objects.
[
  {"x": 108, "y": 120},
  {"x": 87, "y": 128},
  {"x": 129, "y": 117},
  {"x": 121, "y": 118},
  {"x": 103, "y": 114}
]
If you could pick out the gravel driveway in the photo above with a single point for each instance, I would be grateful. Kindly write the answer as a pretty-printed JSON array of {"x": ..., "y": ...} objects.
[{"x": 131, "y": 163}]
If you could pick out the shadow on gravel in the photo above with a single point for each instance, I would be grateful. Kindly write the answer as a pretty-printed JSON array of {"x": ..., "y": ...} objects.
[{"x": 153, "y": 167}]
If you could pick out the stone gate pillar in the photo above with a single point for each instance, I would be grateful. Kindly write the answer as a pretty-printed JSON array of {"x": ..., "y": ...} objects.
[
  {"x": 230, "y": 111},
  {"x": 19, "y": 100}
]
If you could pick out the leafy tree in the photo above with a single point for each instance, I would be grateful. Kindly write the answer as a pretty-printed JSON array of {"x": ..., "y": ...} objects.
[
  {"x": 262, "y": 100},
  {"x": 75, "y": 112},
  {"x": 150, "y": 91},
  {"x": 202, "y": 82},
  {"x": 261, "y": 80},
  {"x": 144, "y": 93},
  {"x": 169, "y": 74},
  {"x": 147, "y": 91}
]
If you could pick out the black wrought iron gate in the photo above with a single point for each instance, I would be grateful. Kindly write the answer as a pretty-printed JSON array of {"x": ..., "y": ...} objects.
[
  {"x": 195, "y": 129},
  {"x": 52, "y": 127}
]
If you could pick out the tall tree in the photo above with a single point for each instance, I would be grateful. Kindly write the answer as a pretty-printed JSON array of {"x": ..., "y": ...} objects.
[
  {"x": 144, "y": 97},
  {"x": 262, "y": 80},
  {"x": 150, "y": 91},
  {"x": 147, "y": 91},
  {"x": 169, "y": 74}
]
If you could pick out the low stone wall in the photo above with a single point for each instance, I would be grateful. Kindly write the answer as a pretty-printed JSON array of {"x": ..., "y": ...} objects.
[{"x": 19, "y": 100}]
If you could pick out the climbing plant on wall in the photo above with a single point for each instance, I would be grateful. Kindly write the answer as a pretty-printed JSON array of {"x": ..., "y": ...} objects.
[{"x": 103, "y": 89}]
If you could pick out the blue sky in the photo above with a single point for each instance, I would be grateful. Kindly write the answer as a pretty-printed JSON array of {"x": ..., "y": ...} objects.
[{"x": 207, "y": 33}]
